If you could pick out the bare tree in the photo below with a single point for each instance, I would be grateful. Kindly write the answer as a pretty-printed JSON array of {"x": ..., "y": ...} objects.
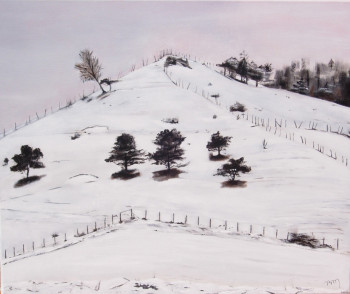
[{"x": 90, "y": 67}]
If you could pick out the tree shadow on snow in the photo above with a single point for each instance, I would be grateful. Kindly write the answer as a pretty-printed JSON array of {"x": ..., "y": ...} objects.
[
  {"x": 26, "y": 181},
  {"x": 164, "y": 175},
  {"x": 217, "y": 157},
  {"x": 126, "y": 174},
  {"x": 234, "y": 184}
]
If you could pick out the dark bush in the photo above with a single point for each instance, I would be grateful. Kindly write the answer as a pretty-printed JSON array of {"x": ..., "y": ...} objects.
[
  {"x": 305, "y": 240},
  {"x": 171, "y": 60},
  {"x": 75, "y": 136},
  {"x": 237, "y": 107}
]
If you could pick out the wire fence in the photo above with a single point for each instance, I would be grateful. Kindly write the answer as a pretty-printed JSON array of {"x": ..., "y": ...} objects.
[
  {"x": 277, "y": 127},
  {"x": 214, "y": 225}
]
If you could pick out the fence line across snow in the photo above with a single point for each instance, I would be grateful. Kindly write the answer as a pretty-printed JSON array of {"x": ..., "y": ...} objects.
[{"x": 62, "y": 240}]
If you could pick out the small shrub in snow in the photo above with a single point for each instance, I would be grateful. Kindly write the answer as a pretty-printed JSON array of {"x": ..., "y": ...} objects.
[
  {"x": 237, "y": 107},
  {"x": 6, "y": 161},
  {"x": 145, "y": 286},
  {"x": 171, "y": 120},
  {"x": 75, "y": 136},
  {"x": 215, "y": 116}
]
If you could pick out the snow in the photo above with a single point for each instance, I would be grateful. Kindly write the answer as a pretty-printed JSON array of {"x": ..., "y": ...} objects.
[
  {"x": 292, "y": 187},
  {"x": 173, "y": 252}
]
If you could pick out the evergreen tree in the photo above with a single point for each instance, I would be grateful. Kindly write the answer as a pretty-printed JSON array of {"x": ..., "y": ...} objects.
[
  {"x": 233, "y": 168},
  {"x": 28, "y": 158},
  {"x": 124, "y": 152},
  {"x": 168, "y": 151},
  {"x": 242, "y": 69},
  {"x": 218, "y": 143}
]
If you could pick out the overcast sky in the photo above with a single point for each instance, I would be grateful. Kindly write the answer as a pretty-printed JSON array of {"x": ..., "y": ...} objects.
[{"x": 40, "y": 41}]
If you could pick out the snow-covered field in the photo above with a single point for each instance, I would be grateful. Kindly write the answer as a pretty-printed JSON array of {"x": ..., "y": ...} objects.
[{"x": 292, "y": 187}]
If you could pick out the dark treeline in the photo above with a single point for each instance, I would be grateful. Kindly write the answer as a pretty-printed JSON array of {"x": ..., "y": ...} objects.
[{"x": 330, "y": 81}]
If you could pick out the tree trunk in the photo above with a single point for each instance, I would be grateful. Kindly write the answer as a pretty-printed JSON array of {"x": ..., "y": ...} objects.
[
  {"x": 219, "y": 151},
  {"x": 168, "y": 162},
  {"x": 256, "y": 83},
  {"x": 27, "y": 172},
  {"x": 103, "y": 90},
  {"x": 125, "y": 164}
]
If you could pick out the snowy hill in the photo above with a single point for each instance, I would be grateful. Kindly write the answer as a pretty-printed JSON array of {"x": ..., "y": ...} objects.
[{"x": 292, "y": 186}]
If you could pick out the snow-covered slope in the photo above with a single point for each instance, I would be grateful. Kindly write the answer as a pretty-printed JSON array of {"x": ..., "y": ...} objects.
[{"x": 292, "y": 186}]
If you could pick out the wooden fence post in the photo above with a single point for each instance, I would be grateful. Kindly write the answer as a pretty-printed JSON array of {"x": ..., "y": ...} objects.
[
  {"x": 112, "y": 218},
  {"x": 44, "y": 242},
  {"x": 276, "y": 233},
  {"x": 95, "y": 226},
  {"x": 87, "y": 229},
  {"x": 131, "y": 214},
  {"x": 264, "y": 231},
  {"x": 145, "y": 214},
  {"x": 5, "y": 254},
  {"x": 237, "y": 227},
  {"x": 159, "y": 216},
  {"x": 198, "y": 221},
  {"x": 337, "y": 244},
  {"x": 104, "y": 223},
  {"x": 251, "y": 229},
  {"x": 120, "y": 217},
  {"x": 23, "y": 248},
  {"x": 33, "y": 246},
  {"x": 288, "y": 236},
  {"x": 14, "y": 251},
  {"x": 185, "y": 219},
  {"x": 65, "y": 237},
  {"x": 173, "y": 217},
  {"x": 225, "y": 225}
]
